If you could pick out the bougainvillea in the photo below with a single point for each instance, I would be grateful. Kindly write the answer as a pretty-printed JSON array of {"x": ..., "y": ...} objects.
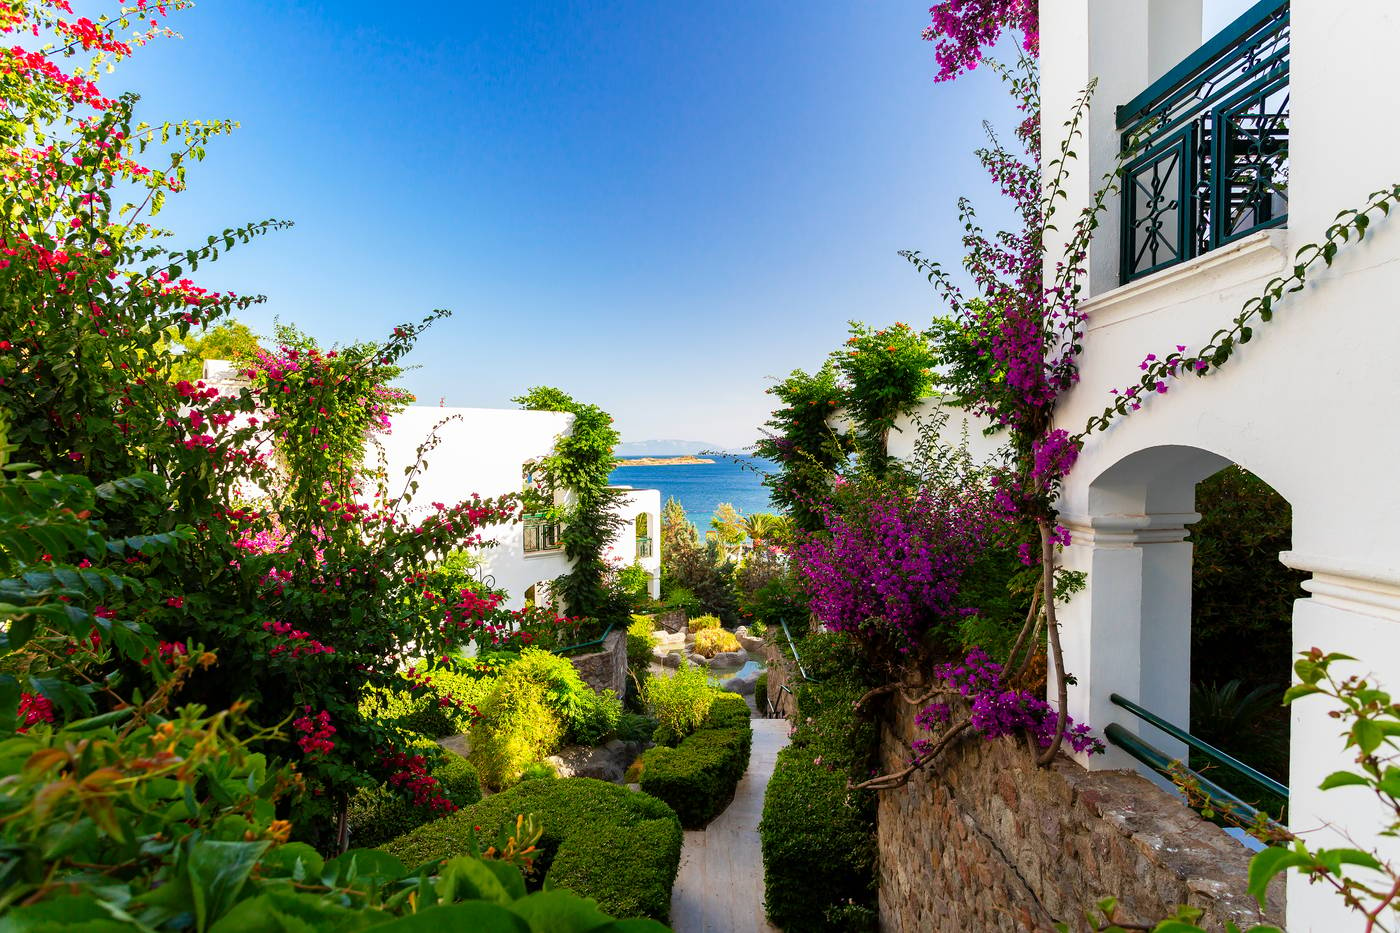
[
  {"x": 240, "y": 520},
  {"x": 888, "y": 566},
  {"x": 963, "y": 30}
]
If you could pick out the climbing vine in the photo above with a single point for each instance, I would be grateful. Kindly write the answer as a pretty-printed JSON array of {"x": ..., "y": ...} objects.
[{"x": 579, "y": 466}]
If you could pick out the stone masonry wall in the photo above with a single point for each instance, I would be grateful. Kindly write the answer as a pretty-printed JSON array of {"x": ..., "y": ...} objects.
[
  {"x": 605, "y": 669},
  {"x": 989, "y": 842},
  {"x": 780, "y": 672}
]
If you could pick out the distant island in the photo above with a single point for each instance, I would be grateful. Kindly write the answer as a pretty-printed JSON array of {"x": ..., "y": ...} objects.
[{"x": 684, "y": 460}]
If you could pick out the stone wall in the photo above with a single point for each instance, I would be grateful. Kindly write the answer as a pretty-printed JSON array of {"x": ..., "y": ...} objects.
[
  {"x": 780, "y": 674},
  {"x": 605, "y": 669},
  {"x": 990, "y": 842}
]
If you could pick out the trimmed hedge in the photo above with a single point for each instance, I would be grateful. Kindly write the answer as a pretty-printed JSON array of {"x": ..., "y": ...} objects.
[
  {"x": 818, "y": 836},
  {"x": 600, "y": 840},
  {"x": 382, "y": 813},
  {"x": 697, "y": 777}
]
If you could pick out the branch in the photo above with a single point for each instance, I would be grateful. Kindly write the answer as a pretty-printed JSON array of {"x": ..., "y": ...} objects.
[{"x": 900, "y": 778}]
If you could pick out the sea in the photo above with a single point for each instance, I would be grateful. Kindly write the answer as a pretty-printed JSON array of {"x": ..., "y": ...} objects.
[{"x": 701, "y": 487}]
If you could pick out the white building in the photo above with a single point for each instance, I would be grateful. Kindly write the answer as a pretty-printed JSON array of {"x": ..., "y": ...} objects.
[
  {"x": 484, "y": 451},
  {"x": 1259, "y": 136}
]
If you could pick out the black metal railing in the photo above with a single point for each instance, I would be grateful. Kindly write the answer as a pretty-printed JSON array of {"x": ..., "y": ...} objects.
[
  {"x": 1221, "y": 799},
  {"x": 541, "y": 534},
  {"x": 1207, "y": 146}
]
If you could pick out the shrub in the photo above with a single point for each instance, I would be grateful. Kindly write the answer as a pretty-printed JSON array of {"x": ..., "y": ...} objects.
[
  {"x": 439, "y": 703},
  {"x": 701, "y": 623},
  {"x": 760, "y": 688},
  {"x": 816, "y": 834},
  {"x": 712, "y": 641},
  {"x": 379, "y": 814},
  {"x": 818, "y": 844},
  {"x": 697, "y": 777},
  {"x": 517, "y": 727},
  {"x": 679, "y": 702},
  {"x": 634, "y": 727},
  {"x": 682, "y": 597},
  {"x": 539, "y": 771},
  {"x": 728, "y": 711},
  {"x": 597, "y": 718},
  {"x": 600, "y": 840},
  {"x": 640, "y": 642}
]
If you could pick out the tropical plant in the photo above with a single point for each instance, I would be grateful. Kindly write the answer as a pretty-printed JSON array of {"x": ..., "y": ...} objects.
[
  {"x": 712, "y": 641},
  {"x": 679, "y": 702}
]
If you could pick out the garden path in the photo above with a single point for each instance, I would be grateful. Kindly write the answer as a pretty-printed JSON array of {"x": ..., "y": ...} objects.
[{"x": 720, "y": 886}]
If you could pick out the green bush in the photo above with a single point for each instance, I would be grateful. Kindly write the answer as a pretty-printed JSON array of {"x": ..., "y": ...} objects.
[
  {"x": 539, "y": 771},
  {"x": 711, "y": 641},
  {"x": 436, "y": 708},
  {"x": 634, "y": 727},
  {"x": 597, "y": 718},
  {"x": 379, "y": 814},
  {"x": 817, "y": 835},
  {"x": 679, "y": 702},
  {"x": 697, "y": 777},
  {"x": 700, "y": 623},
  {"x": 818, "y": 843},
  {"x": 517, "y": 727},
  {"x": 601, "y": 841},
  {"x": 640, "y": 642}
]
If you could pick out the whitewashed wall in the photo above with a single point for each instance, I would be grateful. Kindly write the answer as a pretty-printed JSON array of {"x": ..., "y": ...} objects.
[
  {"x": 624, "y": 545},
  {"x": 1310, "y": 405}
]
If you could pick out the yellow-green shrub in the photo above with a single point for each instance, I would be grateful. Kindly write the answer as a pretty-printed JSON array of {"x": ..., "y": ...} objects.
[
  {"x": 679, "y": 702},
  {"x": 712, "y": 641},
  {"x": 517, "y": 727},
  {"x": 700, "y": 623}
]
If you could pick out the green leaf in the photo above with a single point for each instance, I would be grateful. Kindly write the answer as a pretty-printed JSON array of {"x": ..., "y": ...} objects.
[
  {"x": 1342, "y": 779},
  {"x": 1367, "y": 735},
  {"x": 217, "y": 873},
  {"x": 1265, "y": 865},
  {"x": 1334, "y": 859},
  {"x": 476, "y": 916}
]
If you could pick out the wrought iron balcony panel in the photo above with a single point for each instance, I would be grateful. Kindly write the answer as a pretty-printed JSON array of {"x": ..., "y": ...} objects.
[{"x": 1206, "y": 147}]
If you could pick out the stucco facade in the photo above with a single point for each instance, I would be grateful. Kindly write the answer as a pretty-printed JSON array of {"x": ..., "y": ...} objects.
[{"x": 1308, "y": 405}]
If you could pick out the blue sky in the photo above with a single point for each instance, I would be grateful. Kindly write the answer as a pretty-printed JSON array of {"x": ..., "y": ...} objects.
[{"x": 655, "y": 206}]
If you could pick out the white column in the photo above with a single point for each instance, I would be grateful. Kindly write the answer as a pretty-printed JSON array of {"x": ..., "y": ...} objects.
[{"x": 1129, "y": 631}]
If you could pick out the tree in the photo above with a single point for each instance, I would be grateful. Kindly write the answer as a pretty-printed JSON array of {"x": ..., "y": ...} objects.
[
  {"x": 232, "y": 341},
  {"x": 677, "y": 531},
  {"x": 728, "y": 524}
]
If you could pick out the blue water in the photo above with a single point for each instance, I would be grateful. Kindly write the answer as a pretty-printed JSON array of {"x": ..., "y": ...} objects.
[{"x": 700, "y": 487}]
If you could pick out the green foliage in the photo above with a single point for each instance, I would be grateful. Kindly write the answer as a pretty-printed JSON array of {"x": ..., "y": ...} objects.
[
  {"x": 1241, "y": 595},
  {"x": 232, "y": 341},
  {"x": 539, "y": 771},
  {"x": 711, "y": 641},
  {"x": 676, "y": 530},
  {"x": 702, "y": 571},
  {"x": 600, "y": 840},
  {"x": 729, "y": 525},
  {"x": 437, "y": 704},
  {"x": 1251, "y": 725},
  {"x": 640, "y": 642},
  {"x": 679, "y": 702},
  {"x": 817, "y": 834},
  {"x": 597, "y": 718},
  {"x": 701, "y": 623},
  {"x": 634, "y": 727},
  {"x": 517, "y": 727},
  {"x": 697, "y": 777},
  {"x": 581, "y": 463},
  {"x": 379, "y": 814},
  {"x": 885, "y": 372},
  {"x": 807, "y": 450}
]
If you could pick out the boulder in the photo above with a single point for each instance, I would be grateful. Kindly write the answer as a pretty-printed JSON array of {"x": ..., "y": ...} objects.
[
  {"x": 750, "y": 643},
  {"x": 730, "y": 658},
  {"x": 742, "y": 683},
  {"x": 606, "y": 762},
  {"x": 699, "y": 659},
  {"x": 672, "y": 659}
]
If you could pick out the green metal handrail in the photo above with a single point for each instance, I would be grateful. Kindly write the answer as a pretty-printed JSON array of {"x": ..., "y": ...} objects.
[
  {"x": 1159, "y": 761},
  {"x": 586, "y": 644},
  {"x": 541, "y": 533},
  {"x": 797, "y": 658},
  {"x": 1210, "y": 751},
  {"x": 643, "y": 546}
]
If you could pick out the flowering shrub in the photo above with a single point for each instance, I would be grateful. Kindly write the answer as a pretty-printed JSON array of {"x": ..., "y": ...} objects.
[
  {"x": 888, "y": 568},
  {"x": 962, "y": 31},
  {"x": 998, "y": 709}
]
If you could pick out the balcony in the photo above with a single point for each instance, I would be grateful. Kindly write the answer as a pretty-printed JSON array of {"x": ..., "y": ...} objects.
[
  {"x": 643, "y": 546},
  {"x": 1206, "y": 147},
  {"x": 541, "y": 534}
]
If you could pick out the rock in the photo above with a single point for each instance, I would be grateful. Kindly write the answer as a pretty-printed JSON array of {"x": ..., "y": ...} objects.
[
  {"x": 672, "y": 659},
  {"x": 459, "y": 744},
  {"x": 606, "y": 762},
  {"x": 731, "y": 658},
  {"x": 674, "y": 620},
  {"x": 749, "y": 642},
  {"x": 669, "y": 639},
  {"x": 699, "y": 659},
  {"x": 741, "y": 683}
]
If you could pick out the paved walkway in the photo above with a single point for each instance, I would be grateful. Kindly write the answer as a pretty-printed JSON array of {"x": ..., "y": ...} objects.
[{"x": 720, "y": 886}]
